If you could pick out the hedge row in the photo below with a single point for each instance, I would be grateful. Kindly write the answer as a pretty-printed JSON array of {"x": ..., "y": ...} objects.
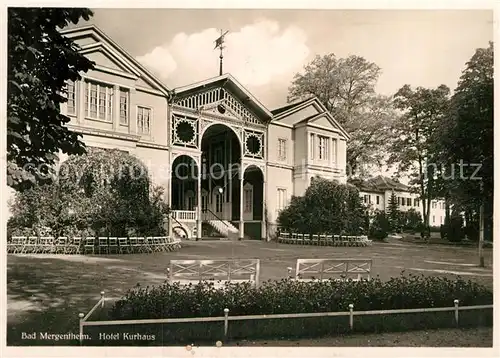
[{"x": 290, "y": 296}]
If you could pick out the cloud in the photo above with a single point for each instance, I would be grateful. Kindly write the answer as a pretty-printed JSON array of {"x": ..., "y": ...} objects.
[{"x": 256, "y": 55}]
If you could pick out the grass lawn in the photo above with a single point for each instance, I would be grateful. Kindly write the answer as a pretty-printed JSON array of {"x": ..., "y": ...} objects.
[{"x": 45, "y": 293}]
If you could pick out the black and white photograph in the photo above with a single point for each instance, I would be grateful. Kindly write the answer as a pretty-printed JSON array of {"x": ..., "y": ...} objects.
[{"x": 234, "y": 178}]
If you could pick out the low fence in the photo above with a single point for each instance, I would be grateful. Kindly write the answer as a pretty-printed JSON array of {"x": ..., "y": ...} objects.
[
  {"x": 226, "y": 318},
  {"x": 323, "y": 240}
]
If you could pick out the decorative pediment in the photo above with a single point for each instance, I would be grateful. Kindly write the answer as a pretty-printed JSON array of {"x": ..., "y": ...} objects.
[{"x": 111, "y": 58}]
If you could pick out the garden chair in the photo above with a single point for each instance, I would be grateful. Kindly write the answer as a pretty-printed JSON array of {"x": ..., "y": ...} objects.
[
  {"x": 123, "y": 246},
  {"x": 315, "y": 239},
  {"x": 30, "y": 245},
  {"x": 322, "y": 240},
  {"x": 329, "y": 240},
  {"x": 89, "y": 245},
  {"x": 113, "y": 245},
  {"x": 140, "y": 243},
  {"x": 61, "y": 245},
  {"x": 18, "y": 244},
  {"x": 176, "y": 243},
  {"x": 47, "y": 245},
  {"x": 336, "y": 240},
  {"x": 148, "y": 244},
  {"x": 283, "y": 237},
  {"x": 157, "y": 244},
  {"x": 74, "y": 245},
  {"x": 134, "y": 244},
  {"x": 102, "y": 245}
]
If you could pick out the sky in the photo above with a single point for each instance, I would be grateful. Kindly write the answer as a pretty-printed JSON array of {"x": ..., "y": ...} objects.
[{"x": 266, "y": 48}]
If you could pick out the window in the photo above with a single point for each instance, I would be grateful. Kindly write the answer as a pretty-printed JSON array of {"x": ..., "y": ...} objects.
[
  {"x": 99, "y": 101},
  {"x": 433, "y": 219},
  {"x": 204, "y": 203},
  {"x": 408, "y": 201},
  {"x": 218, "y": 154},
  {"x": 399, "y": 200},
  {"x": 71, "y": 104},
  {"x": 434, "y": 205},
  {"x": 143, "y": 120},
  {"x": 367, "y": 199},
  {"x": 248, "y": 199},
  {"x": 123, "y": 106},
  {"x": 403, "y": 201},
  {"x": 281, "y": 149},
  {"x": 378, "y": 199},
  {"x": 323, "y": 148},
  {"x": 219, "y": 200},
  {"x": 416, "y": 202},
  {"x": 282, "y": 199}
]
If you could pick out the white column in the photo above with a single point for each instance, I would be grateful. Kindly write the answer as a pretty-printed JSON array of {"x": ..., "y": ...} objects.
[
  {"x": 169, "y": 193},
  {"x": 198, "y": 208},
  {"x": 242, "y": 224},
  {"x": 132, "y": 113},
  {"x": 263, "y": 229},
  {"x": 80, "y": 105},
  {"x": 115, "y": 112}
]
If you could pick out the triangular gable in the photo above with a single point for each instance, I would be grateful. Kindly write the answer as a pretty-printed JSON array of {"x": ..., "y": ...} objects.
[
  {"x": 237, "y": 100},
  {"x": 95, "y": 43},
  {"x": 308, "y": 111}
]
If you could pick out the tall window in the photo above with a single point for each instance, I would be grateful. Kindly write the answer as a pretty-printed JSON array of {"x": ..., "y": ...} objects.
[
  {"x": 71, "y": 104},
  {"x": 248, "y": 199},
  {"x": 408, "y": 201},
  {"x": 282, "y": 199},
  {"x": 378, "y": 199},
  {"x": 124, "y": 106},
  {"x": 99, "y": 101},
  {"x": 143, "y": 120},
  {"x": 281, "y": 149},
  {"x": 323, "y": 147},
  {"x": 334, "y": 151},
  {"x": 403, "y": 201},
  {"x": 416, "y": 202},
  {"x": 434, "y": 204}
]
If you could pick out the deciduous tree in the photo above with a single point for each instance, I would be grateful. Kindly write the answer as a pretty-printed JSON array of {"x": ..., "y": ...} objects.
[
  {"x": 40, "y": 62},
  {"x": 346, "y": 86}
]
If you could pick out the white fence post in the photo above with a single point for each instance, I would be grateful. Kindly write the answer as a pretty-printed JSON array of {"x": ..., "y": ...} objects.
[
  {"x": 456, "y": 311},
  {"x": 351, "y": 316},
  {"x": 80, "y": 316},
  {"x": 102, "y": 299},
  {"x": 226, "y": 322}
]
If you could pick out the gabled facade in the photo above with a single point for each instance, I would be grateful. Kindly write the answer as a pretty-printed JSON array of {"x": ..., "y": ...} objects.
[{"x": 228, "y": 163}]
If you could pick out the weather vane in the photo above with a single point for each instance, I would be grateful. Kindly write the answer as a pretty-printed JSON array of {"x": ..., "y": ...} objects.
[{"x": 219, "y": 43}]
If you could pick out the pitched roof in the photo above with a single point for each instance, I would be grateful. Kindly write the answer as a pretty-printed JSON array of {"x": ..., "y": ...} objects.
[
  {"x": 379, "y": 184},
  {"x": 290, "y": 105},
  {"x": 234, "y": 86},
  {"x": 99, "y": 35}
]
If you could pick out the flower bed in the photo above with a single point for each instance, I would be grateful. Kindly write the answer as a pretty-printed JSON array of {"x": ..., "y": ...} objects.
[{"x": 288, "y": 296}]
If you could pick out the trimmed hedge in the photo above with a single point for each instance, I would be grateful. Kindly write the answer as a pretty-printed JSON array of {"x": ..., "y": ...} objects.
[{"x": 289, "y": 296}]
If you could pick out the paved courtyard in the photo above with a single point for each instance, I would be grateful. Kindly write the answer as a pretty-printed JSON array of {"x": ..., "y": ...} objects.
[{"x": 46, "y": 292}]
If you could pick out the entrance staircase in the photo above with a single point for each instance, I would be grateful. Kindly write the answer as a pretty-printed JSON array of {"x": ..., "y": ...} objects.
[{"x": 225, "y": 228}]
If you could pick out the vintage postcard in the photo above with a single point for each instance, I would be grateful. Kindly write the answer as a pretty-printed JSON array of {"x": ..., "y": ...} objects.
[{"x": 217, "y": 180}]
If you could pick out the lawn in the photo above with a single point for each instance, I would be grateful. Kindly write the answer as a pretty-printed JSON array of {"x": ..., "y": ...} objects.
[{"x": 45, "y": 293}]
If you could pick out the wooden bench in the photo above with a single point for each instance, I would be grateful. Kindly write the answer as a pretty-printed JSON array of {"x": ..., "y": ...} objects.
[
  {"x": 336, "y": 269},
  {"x": 220, "y": 271}
]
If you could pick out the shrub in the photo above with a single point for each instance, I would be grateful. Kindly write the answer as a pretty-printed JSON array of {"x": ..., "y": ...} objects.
[
  {"x": 327, "y": 207},
  {"x": 380, "y": 226},
  {"x": 472, "y": 231},
  {"x": 289, "y": 296},
  {"x": 100, "y": 193}
]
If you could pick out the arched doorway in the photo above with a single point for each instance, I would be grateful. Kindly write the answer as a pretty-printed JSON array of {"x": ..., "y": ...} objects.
[
  {"x": 221, "y": 158},
  {"x": 184, "y": 183},
  {"x": 254, "y": 215}
]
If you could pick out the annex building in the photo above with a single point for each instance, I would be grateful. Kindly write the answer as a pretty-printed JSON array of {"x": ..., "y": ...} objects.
[{"x": 228, "y": 164}]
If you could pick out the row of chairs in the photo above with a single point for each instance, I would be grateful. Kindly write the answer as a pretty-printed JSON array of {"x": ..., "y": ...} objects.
[
  {"x": 323, "y": 240},
  {"x": 91, "y": 245}
]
